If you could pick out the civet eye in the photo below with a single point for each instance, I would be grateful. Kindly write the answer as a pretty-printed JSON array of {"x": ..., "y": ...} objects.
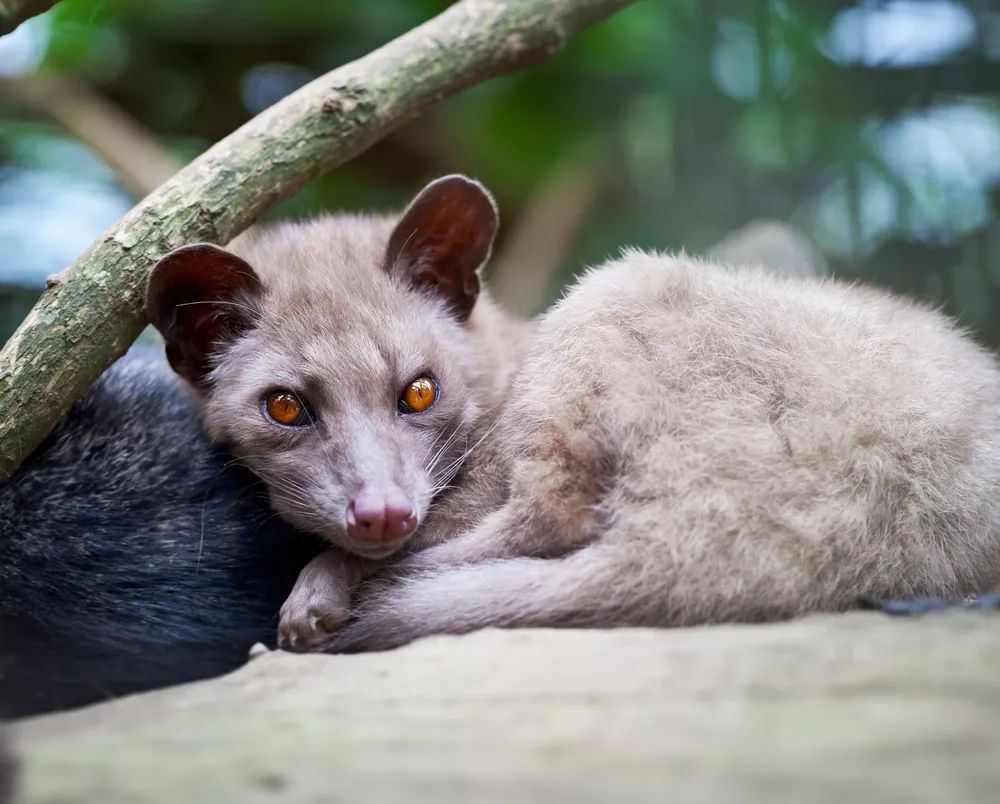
[
  {"x": 285, "y": 407},
  {"x": 419, "y": 395}
]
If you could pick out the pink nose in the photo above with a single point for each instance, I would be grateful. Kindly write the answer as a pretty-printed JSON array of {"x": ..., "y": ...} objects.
[{"x": 380, "y": 514}]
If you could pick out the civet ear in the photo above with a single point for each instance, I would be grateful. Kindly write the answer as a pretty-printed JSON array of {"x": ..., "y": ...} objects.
[
  {"x": 443, "y": 238},
  {"x": 197, "y": 298}
]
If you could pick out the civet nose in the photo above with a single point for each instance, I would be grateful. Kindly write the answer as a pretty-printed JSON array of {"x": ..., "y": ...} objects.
[{"x": 380, "y": 514}]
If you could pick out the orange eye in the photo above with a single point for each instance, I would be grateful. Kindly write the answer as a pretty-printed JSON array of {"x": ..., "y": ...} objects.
[
  {"x": 286, "y": 408},
  {"x": 419, "y": 395}
]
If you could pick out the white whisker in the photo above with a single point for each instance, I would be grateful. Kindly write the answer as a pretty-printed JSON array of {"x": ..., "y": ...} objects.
[{"x": 223, "y": 303}]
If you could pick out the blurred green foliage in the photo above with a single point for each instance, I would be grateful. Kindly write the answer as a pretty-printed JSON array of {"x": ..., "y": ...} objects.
[{"x": 872, "y": 125}]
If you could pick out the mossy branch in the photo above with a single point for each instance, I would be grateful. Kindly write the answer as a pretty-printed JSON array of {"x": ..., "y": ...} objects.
[{"x": 91, "y": 312}]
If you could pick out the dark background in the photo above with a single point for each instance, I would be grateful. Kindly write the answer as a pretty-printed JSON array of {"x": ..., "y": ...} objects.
[{"x": 873, "y": 126}]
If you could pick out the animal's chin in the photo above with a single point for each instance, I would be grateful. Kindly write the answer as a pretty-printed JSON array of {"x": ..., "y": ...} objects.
[{"x": 369, "y": 550}]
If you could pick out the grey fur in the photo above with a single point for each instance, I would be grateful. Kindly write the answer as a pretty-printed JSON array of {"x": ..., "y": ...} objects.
[
  {"x": 334, "y": 322},
  {"x": 688, "y": 444},
  {"x": 681, "y": 443}
]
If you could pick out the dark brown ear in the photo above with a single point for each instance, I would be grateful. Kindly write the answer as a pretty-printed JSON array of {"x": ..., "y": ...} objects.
[
  {"x": 196, "y": 298},
  {"x": 443, "y": 238}
]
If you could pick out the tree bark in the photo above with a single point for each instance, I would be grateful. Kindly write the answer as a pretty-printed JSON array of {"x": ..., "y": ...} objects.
[
  {"x": 91, "y": 312},
  {"x": 14, "y": 12}
]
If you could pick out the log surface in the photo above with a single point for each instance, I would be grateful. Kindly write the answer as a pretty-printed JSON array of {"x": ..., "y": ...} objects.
[{"x": 830, "y": 709}]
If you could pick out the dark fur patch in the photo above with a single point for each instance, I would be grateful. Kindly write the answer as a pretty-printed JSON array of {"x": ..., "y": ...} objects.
[
  {"x": 133, "y": 554},
  {"x": 8, "y": 772}
]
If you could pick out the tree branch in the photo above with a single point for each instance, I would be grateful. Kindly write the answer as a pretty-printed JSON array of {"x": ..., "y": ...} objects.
[
  {"x": 14, "y": 12},
  {"x": 537, "y": 244},
  {"x": 138, "y": 159},
  {"x": 90, "y": 313}
]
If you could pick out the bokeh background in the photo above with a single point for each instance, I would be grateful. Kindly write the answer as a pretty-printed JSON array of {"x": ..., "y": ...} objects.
[{"x": 873, "y": 126}]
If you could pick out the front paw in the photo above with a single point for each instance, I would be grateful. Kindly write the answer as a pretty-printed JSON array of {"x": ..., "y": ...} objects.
[
  {"x": 308, "y": 624},
  {"x": 318, "y": 606}
]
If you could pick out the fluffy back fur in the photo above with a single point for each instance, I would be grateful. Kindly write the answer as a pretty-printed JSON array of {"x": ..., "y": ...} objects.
[
  {"x": 133, "y": 554},
  {"x": 688, "y": 444}
]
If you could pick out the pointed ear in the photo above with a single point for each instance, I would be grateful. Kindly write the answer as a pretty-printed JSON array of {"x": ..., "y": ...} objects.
[
  {"x": 196, "y": 298},
  {"x": 444, "y": 237}
]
